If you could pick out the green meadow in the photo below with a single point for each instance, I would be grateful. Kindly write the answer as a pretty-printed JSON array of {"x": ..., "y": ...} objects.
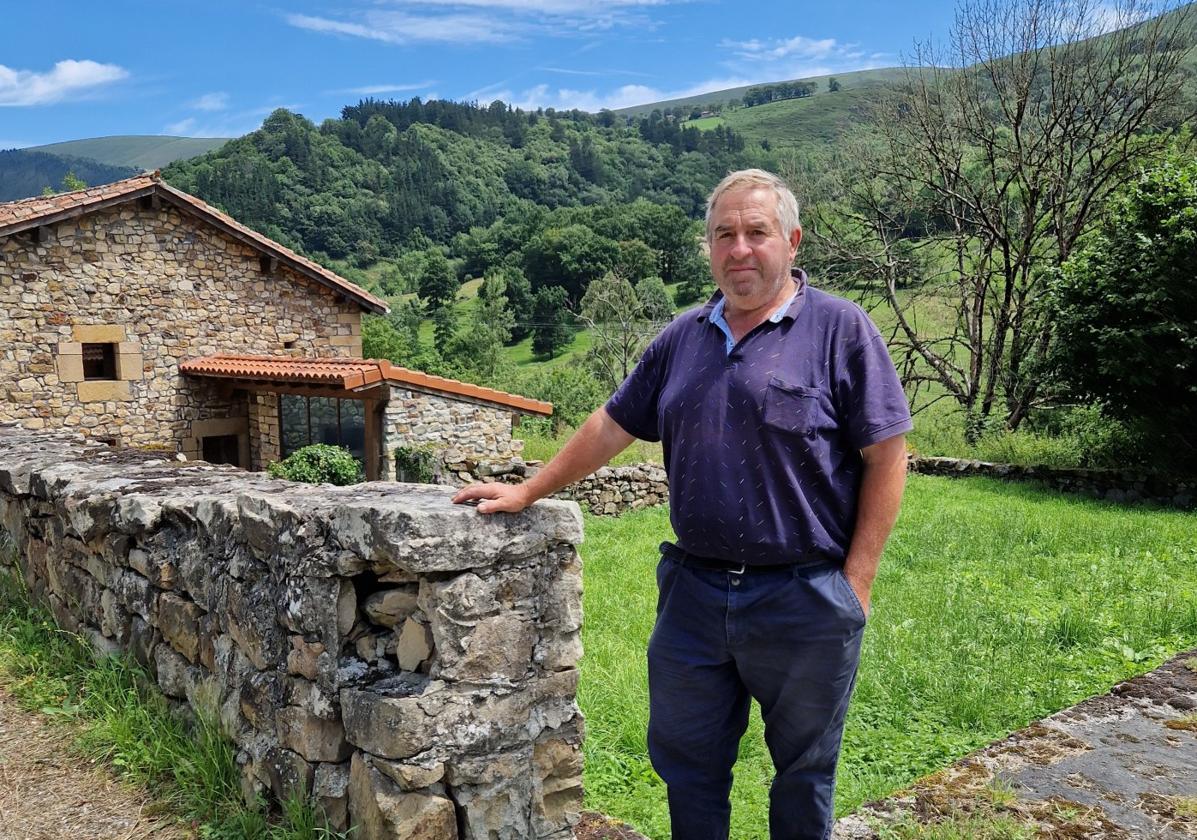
[{"x": 996, "y": 604}]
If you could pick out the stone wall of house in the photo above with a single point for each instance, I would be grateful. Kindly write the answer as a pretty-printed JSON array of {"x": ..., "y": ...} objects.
[
  {"x": 462, "y": 433},
  {"x": 161, "y": 287},
  {"x": 612, "y": 491},
  {"x": 1111, "y": 485},
  {"x": 265, "y": 437},
  {"x": 409, "y": 663}
]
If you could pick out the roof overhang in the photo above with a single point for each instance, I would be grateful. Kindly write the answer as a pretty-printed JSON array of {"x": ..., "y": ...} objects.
[{"x": 348, "y": 377}]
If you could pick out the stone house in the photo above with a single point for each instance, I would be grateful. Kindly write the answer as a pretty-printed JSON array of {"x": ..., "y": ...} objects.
[{"x": 138, "y": 314}]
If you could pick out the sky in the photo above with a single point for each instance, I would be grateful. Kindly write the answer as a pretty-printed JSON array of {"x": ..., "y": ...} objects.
[{"x": 211, "y": 68}]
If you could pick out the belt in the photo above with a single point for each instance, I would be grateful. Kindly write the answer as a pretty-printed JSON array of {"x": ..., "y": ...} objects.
[{"x": 696, "y": 561}]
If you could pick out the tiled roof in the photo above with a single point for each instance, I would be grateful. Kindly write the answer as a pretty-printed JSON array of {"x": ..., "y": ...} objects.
[
  {"x": 26, "y": 213},
  {"x": 347, "y": 374}
]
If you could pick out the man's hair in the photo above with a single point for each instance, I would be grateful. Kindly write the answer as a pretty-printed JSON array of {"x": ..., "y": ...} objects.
[{"x": 787, "y": 204}]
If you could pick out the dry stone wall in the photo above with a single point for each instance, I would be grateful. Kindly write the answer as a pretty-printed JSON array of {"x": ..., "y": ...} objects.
[
  {"x": 1111, "y": 485},
  {"x": 162, "y": 287},
  {"x": 411, "y": 664}
]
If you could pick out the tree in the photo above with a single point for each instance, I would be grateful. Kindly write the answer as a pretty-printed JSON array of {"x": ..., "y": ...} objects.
[
  {"x": 1125, "y": 310},
  {"x": 636, "y": 260},
  {"x": 519, "y": 302},
  {"x": 833, "y": 84},
  {"x": 569, "y": 257},
  {"x": 618, "y": 326},
  {"x": 982, "y": 174},
  {"x": 550, "y": 329},
  {"x": 438, "y": 282},
  {"x": 444, "y": 328},
  {"x": 654, "y": 300}
]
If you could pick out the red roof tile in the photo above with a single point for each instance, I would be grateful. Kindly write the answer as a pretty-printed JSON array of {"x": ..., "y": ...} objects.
[
  {"x": 26, "y": 213},
  {"x": 348, "y": 374}
]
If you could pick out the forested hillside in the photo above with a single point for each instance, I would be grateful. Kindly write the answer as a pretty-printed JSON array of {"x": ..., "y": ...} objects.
[
  {"x": 364, "y": 184},
  {"x": 24, "y": 173}
]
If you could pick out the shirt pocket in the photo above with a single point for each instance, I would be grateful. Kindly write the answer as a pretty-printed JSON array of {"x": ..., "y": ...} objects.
[{"x": 791, "y": 408}]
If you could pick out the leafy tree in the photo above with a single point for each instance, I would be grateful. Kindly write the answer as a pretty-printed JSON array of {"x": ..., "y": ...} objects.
[
  {"x": 572, "y": 390},
  {"x": 1126, "y": 311},
  {"x": 654, "y": 300},
  {"x": 444, "y": 328},
  {"x": 550, "y": 330},
  {"x": 696, "y": 280},
  {"x": 438, "y": 282},
  {"x": 618, "y": 326},
  {"x": 478, "y": 350},
  {"x": 636, "y": 260},
  {"x": 569, "y": 257},
  {"x": 833, "y": 84},
  {"x": 520, "y": 303},
  {"x": 979, "y": 182}
]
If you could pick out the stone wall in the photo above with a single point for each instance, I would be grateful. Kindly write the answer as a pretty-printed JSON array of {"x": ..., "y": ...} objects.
[
  {"x": 410, "y": 663},
  {"x": 463, "y": 433},
  {"x": 161, "y": 287},
  {"x": 611, "y": 491},
  {"x": 1111, "y": 485}
]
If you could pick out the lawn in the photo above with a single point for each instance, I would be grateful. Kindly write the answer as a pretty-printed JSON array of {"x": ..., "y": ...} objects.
[{"x": 996, "y": 605}]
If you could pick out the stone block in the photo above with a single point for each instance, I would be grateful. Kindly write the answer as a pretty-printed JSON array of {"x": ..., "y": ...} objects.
[
  {"x": 312, "y": 737},
  {"x": 70, "y": 368},
  {"x": 178, "y": 619},
  {"x": 330, "y": 793},
  {"x": 391, "y": 607},
  {"x": 381, "y": 811},
  {"x": 104, "y": 390},
  {"x": 98, "y": 333},
  {"x": 414, "y": 645},
  {"x": 129, "y": 367}
]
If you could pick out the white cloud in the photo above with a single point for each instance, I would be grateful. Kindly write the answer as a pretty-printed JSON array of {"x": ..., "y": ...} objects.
[
  {"x": 626, "y": 96},
  {"x": 232, "y": 124},
  {"x": 67, "y": 79},
  {"x": 797, "y": 57},
  {"x": 546, "y": 7},
  {"x": 478, "y": 21},
  {"x": 180, "y": 128},
  {"x": 401, "y": 28},
  {"x": 217, "y": 101},
  {"x": 374, "y": 90}
]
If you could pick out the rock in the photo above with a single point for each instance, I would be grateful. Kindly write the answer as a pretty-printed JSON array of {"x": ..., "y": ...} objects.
[
  {"x": 330, "y": 792},
  {"x": 391, "y": 607},
  {"x": 303, "y": 659},
  {"x": 178, "y": 619},
  {"x": 310, "y": 736},
  {"x": 381, "y": 811},
  {"x": 415, "y": 645}
]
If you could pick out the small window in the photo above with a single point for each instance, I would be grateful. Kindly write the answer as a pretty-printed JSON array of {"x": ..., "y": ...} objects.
[
  {"x": 222, "y": 449},
  {"x": 99, "y": 361}
]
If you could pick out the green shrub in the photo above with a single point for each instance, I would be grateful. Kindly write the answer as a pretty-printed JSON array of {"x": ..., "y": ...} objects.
[
  {"x": 319, "y": 463},
  {"x": 418, "y": 464}
]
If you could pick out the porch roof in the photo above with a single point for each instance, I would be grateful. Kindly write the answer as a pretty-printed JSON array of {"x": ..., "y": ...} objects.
[{"x": 351, "y": 375}]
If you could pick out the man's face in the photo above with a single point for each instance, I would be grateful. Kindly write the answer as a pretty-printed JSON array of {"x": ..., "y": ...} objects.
[{"x": 750, "y": 255}]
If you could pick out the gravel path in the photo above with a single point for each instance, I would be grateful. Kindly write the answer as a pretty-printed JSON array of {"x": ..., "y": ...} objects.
[{"x": 47, "y": 792}]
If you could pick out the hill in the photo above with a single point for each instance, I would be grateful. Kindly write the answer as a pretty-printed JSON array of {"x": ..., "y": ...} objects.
[
  {"x": 848, "y": 81},
  {"x": 141, "y": 152},
  {"x": 25, "y": 173}
]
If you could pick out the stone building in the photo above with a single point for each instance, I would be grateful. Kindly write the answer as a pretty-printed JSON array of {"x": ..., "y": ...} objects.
[{"x": 142, "y": 316}]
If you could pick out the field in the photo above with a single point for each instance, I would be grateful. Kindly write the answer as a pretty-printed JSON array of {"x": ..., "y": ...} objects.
[{"x": 996, "y": 604}]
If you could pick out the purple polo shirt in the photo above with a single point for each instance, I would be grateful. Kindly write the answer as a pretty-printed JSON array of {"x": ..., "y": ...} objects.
[{"x": 762, "y": 442}]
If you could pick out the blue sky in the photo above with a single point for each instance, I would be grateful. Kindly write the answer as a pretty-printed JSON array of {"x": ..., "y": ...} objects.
[{"x": 70, "y": 70}]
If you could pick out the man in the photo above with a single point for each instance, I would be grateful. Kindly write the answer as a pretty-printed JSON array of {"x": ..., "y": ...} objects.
[{"x": 782, "y": 421}]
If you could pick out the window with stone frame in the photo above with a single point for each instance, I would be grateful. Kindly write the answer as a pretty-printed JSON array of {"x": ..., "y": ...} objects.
[{"x": 99, "y": 361}]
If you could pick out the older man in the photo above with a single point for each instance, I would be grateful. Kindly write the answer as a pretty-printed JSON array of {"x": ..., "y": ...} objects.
[{"x": 782, "y": 421}]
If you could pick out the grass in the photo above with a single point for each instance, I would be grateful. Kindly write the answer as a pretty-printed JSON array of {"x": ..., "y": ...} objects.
[
  {"x": 118, "y": 716},
  {"x": 996, "y": 605}
]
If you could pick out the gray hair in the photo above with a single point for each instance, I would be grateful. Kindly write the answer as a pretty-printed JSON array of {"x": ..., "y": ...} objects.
[{"x": 787, "y": 204}]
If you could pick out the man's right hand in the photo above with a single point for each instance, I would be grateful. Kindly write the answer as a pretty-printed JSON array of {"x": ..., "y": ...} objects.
[{"x": 498, "y": 498}]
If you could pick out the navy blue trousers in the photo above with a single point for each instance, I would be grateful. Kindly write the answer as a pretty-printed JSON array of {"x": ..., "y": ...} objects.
[{"x": 790, "y": 638}]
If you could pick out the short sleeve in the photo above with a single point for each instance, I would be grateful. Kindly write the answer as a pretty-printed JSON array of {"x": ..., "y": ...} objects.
[
  {"x": 870, "y": 397},
  {"x": 634, "y": 404}
]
